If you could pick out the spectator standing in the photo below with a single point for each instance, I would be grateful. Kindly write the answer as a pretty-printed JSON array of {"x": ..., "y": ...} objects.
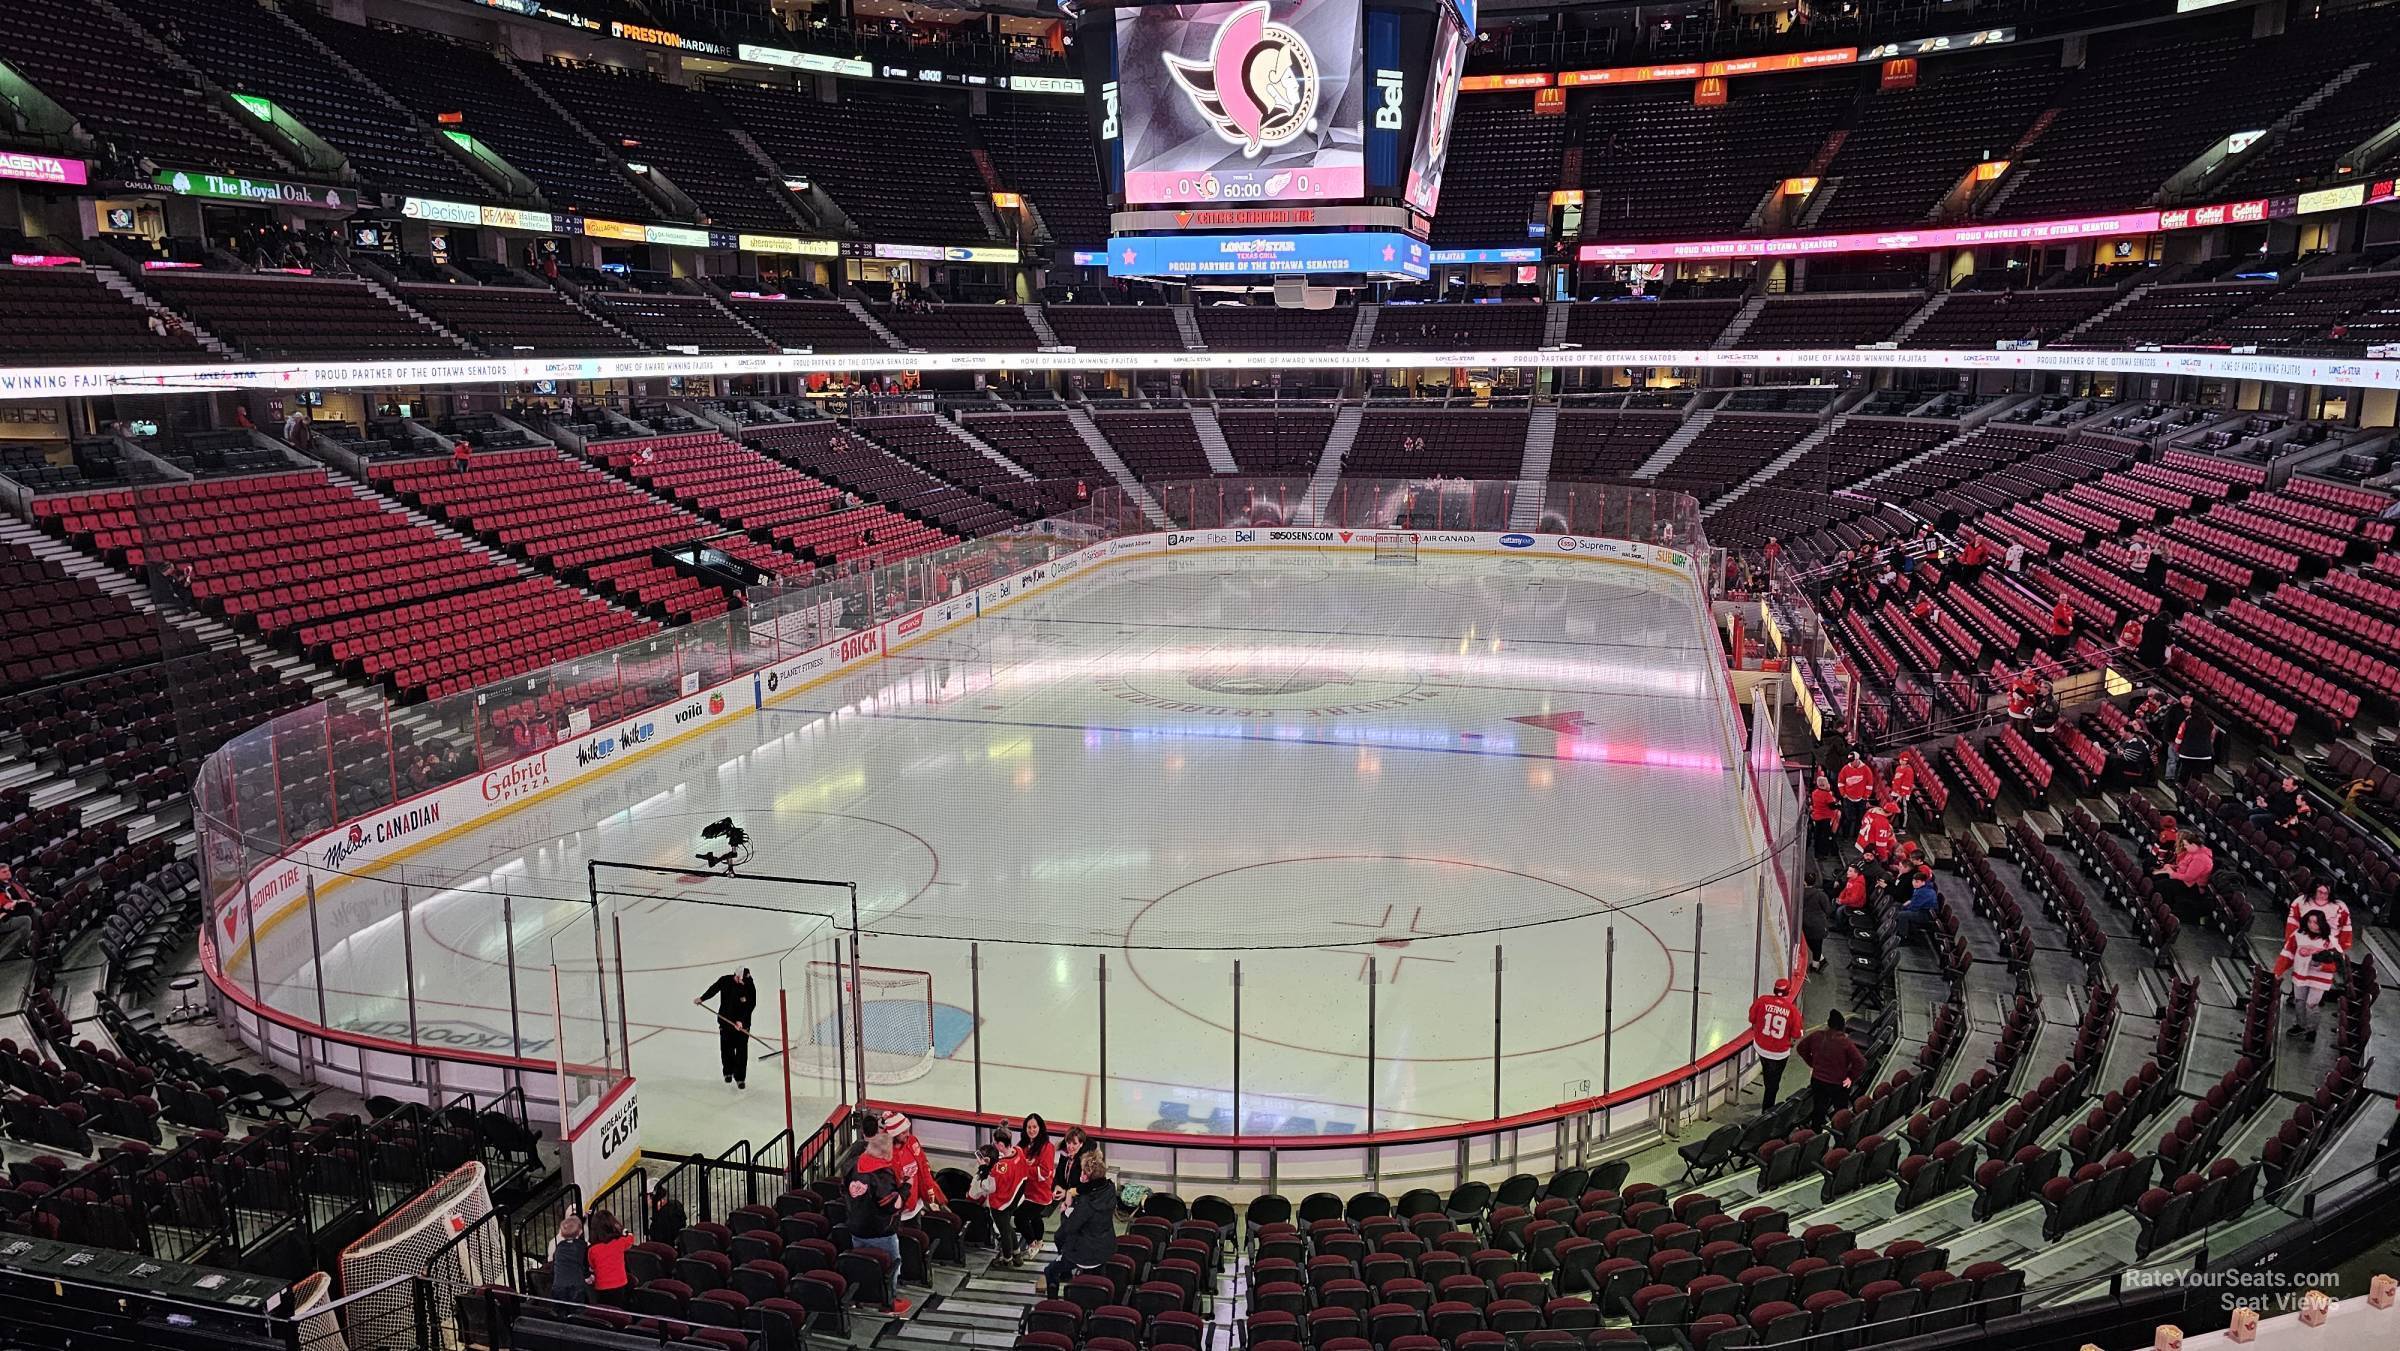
[
  {"x": 1774, "y": 1027},
  {"x": 2164, "y": 719},
  {"x": 570, "y": 1262},
  {"x": 1904, "y": 787},
  {"x": 1071, "y": 1149},
  {"x": 1856, "y": 785},
  {"x": 873, "y": 1190},
  {"x": 2334, "y": 909},
  {"x": 609, "y": 1244},
  {"x": 1001, "y": 1188},
  {"x": 2312, "y": 957},
  {"x": 1875, "y": 837},
  {"x": 1087, "y": 1226},
  {"x": 1041, "y": 1179},
  {"x": 1834, "y": 1067},
  {"x": 2014, "y": 558},
  {"x": 666, "y": 1218},
  {"x": 2195, "y": 744},
  {"x": 1823, "y": 816},
  {"x": 918, "y": 1188}
]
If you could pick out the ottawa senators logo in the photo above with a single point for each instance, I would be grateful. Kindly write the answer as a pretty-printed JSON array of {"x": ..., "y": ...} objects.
[{"x": 1258, "y": 87}]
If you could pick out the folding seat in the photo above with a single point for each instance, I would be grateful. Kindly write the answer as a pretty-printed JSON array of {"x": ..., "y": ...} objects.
[
  {"x": 1327, "y": 1323},
  {"x": 1450, "y": 1318},
  {"x": 1996, "y": 1289},
  {"x": 1943, "y": 1299},
  {"x": 1777, "y": 1249},
  {"x": 1714, "y": 1294},
  {"x": 1387, "y": 1323},
  {"x": 1435, "y": 1267},
  {"x": 1512, "y": 1316},
  {"x": 1778, "y": 1321},
  {"x": 1462, "y": 1288},
  {"x": 1673, "y": 1235},
  {"x": 1354, "y": 1295},
  {"x": 1614, "y": 1281},
  {"x": 1406, "y": 1290}
]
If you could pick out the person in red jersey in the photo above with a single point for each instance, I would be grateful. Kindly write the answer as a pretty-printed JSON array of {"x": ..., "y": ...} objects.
[
  {"x": 1876, "y": 839},
  {"x": 1774, "y": 1029},
  {"x": 918, "y": 1190},
  {"x": 1904, "y": 786},
  {"x": 1823, "y": 816},
  {"x": 1856, "y": 785}
]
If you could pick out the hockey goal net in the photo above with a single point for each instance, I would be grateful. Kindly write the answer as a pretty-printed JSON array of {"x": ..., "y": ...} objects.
[
  {"x": 895, "y": 1015},
  {"x": 436, "y": 1234},
  {"x": 1395, "y": 548}
]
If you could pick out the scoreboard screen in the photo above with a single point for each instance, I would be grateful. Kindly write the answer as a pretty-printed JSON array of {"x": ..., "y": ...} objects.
[
  {"x": 1265, "y": 105},
  {"x": 1255, "y": 101}
]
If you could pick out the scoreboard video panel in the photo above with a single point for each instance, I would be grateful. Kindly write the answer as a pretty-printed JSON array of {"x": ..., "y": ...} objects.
[
  {"x": 1243, "y": 107},
  {"x": 1256, "y": 101}
]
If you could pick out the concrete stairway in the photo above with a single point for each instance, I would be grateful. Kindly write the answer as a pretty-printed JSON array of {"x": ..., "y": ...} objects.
[
  {"x": 1107, "y": 455},
  {"x": 1533, "y": 476},
  {"x": 1673, "y": 445},
  {"x": 1777, "y": 465},
  {"x": 1362, "y": 330},
  {"x": 1212, "y": 439},
  {"x": 874, "y": 325},
  {"x": 1329, "y": 465},
  {"x": 1748, "y": 315},
  {"x": 1189, "y": 328}
]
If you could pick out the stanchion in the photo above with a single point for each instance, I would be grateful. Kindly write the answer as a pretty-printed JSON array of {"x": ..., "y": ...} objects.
[
  {"x": 1608, "y": 1014},
  {"x": 1496, "y": 979}
]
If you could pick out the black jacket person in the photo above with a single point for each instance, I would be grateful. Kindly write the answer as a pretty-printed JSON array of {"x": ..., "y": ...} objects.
[{"x": 737, "y": 1000}]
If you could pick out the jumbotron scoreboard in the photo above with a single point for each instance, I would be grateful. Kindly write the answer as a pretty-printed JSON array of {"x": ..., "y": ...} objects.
[{"x": 1274, "y": 138}]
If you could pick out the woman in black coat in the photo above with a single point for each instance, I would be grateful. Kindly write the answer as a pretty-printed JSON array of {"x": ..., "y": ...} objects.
[{"x": 1087, "y": 1226}]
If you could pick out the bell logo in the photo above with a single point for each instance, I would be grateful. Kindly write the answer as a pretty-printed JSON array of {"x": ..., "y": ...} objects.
[{"x": 1388, "y": 114}]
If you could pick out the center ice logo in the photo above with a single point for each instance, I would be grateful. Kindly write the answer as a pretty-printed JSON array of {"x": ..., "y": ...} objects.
[{"x": 1252, "y": 681}]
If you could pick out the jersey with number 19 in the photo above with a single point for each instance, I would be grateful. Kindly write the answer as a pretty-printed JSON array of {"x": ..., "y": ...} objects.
[{"x": 1774, "y": 1025}]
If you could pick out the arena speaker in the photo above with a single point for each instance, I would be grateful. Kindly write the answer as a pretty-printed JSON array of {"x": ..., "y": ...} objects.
[{"x": 1294, "y": 293}]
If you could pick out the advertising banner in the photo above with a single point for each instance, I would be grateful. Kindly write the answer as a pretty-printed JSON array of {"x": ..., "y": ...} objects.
[
  {"x": 1260, "y": 101},
  {"x": 22, "y": 166},
  {"x": 234, "y": 188},
  {"x": 809, "y": 61},
  {"x": 1882, "y": 241},
  {"x": 1374, "y": 253}
]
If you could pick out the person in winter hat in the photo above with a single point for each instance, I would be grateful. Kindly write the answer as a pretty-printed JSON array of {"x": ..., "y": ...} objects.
[
  {"x": 918, "y": 1188},
  {"x": 873, "y": 1193}
]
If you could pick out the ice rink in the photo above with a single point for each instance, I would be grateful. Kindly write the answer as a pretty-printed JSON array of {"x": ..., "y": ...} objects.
[{"x": 1460, "y": 775}]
